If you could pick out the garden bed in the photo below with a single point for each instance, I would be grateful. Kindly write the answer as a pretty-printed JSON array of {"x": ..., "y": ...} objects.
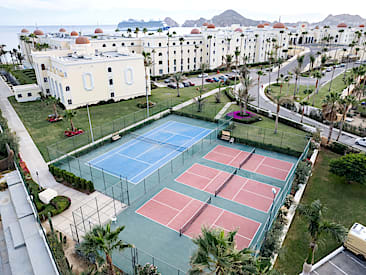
[{"x": 249, "y": 118}]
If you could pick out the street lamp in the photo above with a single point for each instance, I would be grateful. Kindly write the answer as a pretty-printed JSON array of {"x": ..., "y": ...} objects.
[{"x": 274, "y": 192}]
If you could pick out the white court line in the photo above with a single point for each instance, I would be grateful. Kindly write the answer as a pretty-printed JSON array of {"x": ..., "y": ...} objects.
[
  {"x": 180, "y": 212},
  {"x": 237, "y": 155},
  {"x": 174, "y": 151},
  {"x": 126, "y": 156},
  {"x": 259, "y": 164},
  {"x": 198, "y": 175},
  {"x": 337, "y": 267},
  {"x": 163, "y": 203},
  {"x": 241, "y": 188},
  {"x": 209, "y": 183},
  {"x": 237, "y": 234},
  {"x": 218, "y": 217},
  {"x": 285, "y": 170}
]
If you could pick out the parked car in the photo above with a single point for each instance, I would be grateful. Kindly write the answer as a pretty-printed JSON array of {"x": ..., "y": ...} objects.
[
  {"x": 329, "y": 69},
  {"x": 361, "y": 141},
  {"x": 191, "y": 83},
  {"x": 203, "y": 75},
  {"x": 223, "y": 77},
  {"x": 167, "y": 80},
  {"x": 216, "y": 79},
  {"x": 186, "y": 84},
  {"x": 358, "y": 62},
  {"x": 172, "y": 85},
  {"x": 181, "y": 85},
  {"x": 209, "y": 80},
  {"x": 342, "y": 65}
]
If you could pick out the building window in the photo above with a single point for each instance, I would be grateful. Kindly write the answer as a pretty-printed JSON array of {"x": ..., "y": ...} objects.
[
  {"x": 160, "y": 62},
  {"x": 200, "y": 42},
  {"x": 20, "y": 96},
  {"x": 187, "y": 60},
  {"x": 67, "y": 88},
  {"x": 194, "y": 42},
  {"x": 29, "y": 94},
  {"x": 112, "y": 94},
  {"x": 132, "y": 44},
  {"x": 114, "y": 44},
  {"x": 109, "y": 69},
  {"x": 175, "y": 52},
  {"x": 47, "y": 91},
  {"x": 69, "y": 101},
  {"x": 160, "y": 71},
  {"x": 65, "y": 74},
  {"x": 159, "y": 44},
  {"x": 187, "y": 51},
  {"x": 175, "y": 69},
  {"x": 110, "y": 81},
  {"x": 104, "y": 45},
  {"x": 45, "y": 79},
  {"x": 43, "y": 67},
  {"x": 160, "y": 54},
  {"x": 133, "y": 51},
  {"x": 173, "y": 43},
  {"x": 187, "y": 42},
  {"x": 122, "y": 44},
  {"x": 175, "y": 62}
]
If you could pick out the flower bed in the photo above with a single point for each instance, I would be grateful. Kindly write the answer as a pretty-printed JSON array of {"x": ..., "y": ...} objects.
[{"x": 248, "y": 118}]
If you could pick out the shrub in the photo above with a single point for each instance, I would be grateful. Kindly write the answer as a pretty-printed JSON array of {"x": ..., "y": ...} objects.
[
  {"x": 303, "y": 171},
  {"x": 147, "y": 269},
  {"x": 248, "y": 119},
  {"x": 351, "y": 166},
  {"x": 338, "y": 148}
]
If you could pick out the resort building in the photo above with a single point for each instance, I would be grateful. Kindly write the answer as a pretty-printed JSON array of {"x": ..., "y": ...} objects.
[{"x": 85, "y": 69}]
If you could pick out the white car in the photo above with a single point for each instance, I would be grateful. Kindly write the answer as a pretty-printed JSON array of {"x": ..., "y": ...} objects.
[
  {"x": 361, "y": 141},
  {"x": 203, "y": 75}
]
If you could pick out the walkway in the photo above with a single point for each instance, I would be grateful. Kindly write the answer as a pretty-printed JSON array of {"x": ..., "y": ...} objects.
[
  {"x": 223, "y": 110},
  {"x": 36, "y": 164}
]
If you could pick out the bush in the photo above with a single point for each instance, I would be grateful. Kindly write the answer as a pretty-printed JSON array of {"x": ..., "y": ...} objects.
[
  {"x": 147, "y": 269},
  {"x": 351, "y": 166},
  {"x": 71, "y": 179},
  {"x": 248, "y": 119},
  {"x": 338, "y": 148}
]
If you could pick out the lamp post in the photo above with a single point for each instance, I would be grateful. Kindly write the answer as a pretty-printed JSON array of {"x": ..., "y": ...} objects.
[{"x": 274, "y": 192}]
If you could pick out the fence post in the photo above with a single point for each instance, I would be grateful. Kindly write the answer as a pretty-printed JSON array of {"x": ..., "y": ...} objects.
[
  {"x": 114, "y": 203},
  {"x": 105, "y": 187},
  {"x": 79, "y": 167},
  {"x": 91, "y": 173},
  {"x": 76, "y": 227},
  {"x": 128, "y": 195},
  {"x": 82, "y": 218},
  {"x": 96, "y": 203}
]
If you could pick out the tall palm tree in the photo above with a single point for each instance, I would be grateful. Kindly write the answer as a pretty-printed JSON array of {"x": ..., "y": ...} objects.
[
  {"x": 345, "y": 104},
  {"x": 297, "y": 72},
  {"x": 147, "y": 64},
  {"x": 168, "y": 54},
  {"x": 243, "y": 94},
  {"x": 137, "y": 30},
  {"x": 312, "y": 60},
  {"x": 216, "y": 254},
  {"x": 278, "y": 100},
  {"x": 300, "y": 62},
  {"x": 329, "y": 110},
  {"x": 259, "y": 73},
  {"x": 54, "y": 101},
  {"x": 129, "y": 32},
  {"x": 181, "y": 40},
  {"x": 159, "y": 31},
  {"x": 318, "y": 227},
  {"x": 318, "y": 76},
  {"x": 287, "y": 80},
  {"x": 104, "y": 240},
  {"x": 144, "y": 31},
  {"x": 237, "y": 55},
  {"x": 209, "y": 38},
  {"x": 69, "y": 115},
  {"x": 228, "y": 59},
  {"x": 178, "y": 77}
]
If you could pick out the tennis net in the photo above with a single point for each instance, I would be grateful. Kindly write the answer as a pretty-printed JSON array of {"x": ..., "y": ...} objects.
[
  {"x": 158, "y": 142},
  {"x": 244, "y": 161},
  {"x": 194, "y": 217},
  {"x": 218, "y": 190}
]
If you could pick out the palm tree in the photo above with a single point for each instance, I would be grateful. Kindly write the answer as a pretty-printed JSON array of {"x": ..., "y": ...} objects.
[
  {"x": 137, "y": 31},
  {"x": 54, "y": 101},
  {"x": 237, "y": 55},
  {"x": 181, "y": 40},
  {"x": 69, "y": 115},
  {"x": 147, "y": 64},
  {"x": 318, "y": 227},
  {"x": 209, "y": 37},
  {"x": 129, "y": 32},
  {"x": 297, "y": 72},
  {"x": 329, "y": 110},
  {"x": 243, "y": 94},
  {"x": 104, "y": 240},
  {"x": 344, "y": 105},
  {"x": 259, "y": 73},
  {"x": 278, "y": 100},
  {"x": 287, "y": 80},
  {"x": 318, "y": 76},
  {"x": 216, "y": 254},
  {"x": 144, "y": 31},
  {"x": 178, "y": 77},
  {"x": 228, "y": 59},
  {"x": 159, "y": 31},
  {"x": 312, "y": 60}
]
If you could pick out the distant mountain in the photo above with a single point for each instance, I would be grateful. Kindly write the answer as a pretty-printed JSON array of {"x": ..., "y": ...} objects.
[
  {"x": 194, "y": 23},
  {"x": 334, "y": 20},
  {"x": 227, "y": 18},
  {"x": 170, "y": 22}
]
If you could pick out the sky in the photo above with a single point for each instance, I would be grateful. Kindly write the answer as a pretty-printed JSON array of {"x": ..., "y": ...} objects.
[{"x": 110, "y": 12}]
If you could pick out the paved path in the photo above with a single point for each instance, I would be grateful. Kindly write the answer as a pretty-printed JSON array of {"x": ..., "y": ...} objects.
[
  {"x": 36, "y": 164},
  {"x": 223, "y": 110}
]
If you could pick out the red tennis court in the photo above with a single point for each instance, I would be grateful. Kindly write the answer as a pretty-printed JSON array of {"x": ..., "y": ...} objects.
[
  {"x": 267, "y": 166},
  {"x": 173, "y": 210},
  {"x": 239, "y": 189}
]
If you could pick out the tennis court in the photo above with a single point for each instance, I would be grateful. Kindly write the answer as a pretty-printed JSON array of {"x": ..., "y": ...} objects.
[
  {"x": 267, "y": 166},
  {"x": 230, "y": 186},
  {"x": 179, "y": 213},
  {"x": 144, "y": 154}
]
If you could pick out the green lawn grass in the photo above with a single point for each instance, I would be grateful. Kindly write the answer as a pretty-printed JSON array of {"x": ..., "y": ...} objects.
[
  {"x": 123, "y": 113},
  {"x": 263, "y": 131},
  {"x": 345, "y": 203},
  {"x": 337, "y": 85}
]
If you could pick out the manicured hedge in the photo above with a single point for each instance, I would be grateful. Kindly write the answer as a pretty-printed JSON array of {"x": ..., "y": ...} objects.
[
  {"x": 193, "y": 116},
  {"x": 75, "y": 182}
]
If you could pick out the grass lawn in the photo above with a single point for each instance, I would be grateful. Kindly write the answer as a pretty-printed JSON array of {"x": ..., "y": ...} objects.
[
  {"x": 345, "y": 204},
  {"x": 337, "y": 85},
  {"x": 263, "y": 131},
  {"x": 210, "y": 108},
  {"x": 43, "y": 133},
  {"x": 25, "y": 76}
]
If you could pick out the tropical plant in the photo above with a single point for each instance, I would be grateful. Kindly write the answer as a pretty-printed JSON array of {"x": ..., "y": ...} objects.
[
  {"x": 297, "y": 72},
  {"x": 104, "y": 240},
  {"x": 329, "y": 110},
  {"x": 243, "y": 93},
  {"x": 259, "y": 73},
  {"x": 318, "y": 76},
  {"x": 318, "y": 227},
  {"x": 181, "y": 40},
  {"x": 199, "y": 100},
  {"x": 147, "y": 64},
  {"x": 228, "y": 60},
  {"x": 351, "y": 166},
  {"x": 178, "y": 77},
  {"x": 312, "y": 60},
  {"x": 54, "y": 101},
  {"x": 69, "y": 115},
  {"x": 216, "y": 254},
  {"x": 278, "y": 100},
  {"x": 345, "y": 104}
]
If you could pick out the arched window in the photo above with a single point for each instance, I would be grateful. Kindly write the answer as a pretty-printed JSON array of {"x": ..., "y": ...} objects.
[
  {"x": 104, "y": 45},
  {"x": 109, "y": 69},
  {"x": 67, "y": 88}
]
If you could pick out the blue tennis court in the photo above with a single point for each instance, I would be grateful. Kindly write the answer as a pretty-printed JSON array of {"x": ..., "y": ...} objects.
[{"x": 141, "y": 156}]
